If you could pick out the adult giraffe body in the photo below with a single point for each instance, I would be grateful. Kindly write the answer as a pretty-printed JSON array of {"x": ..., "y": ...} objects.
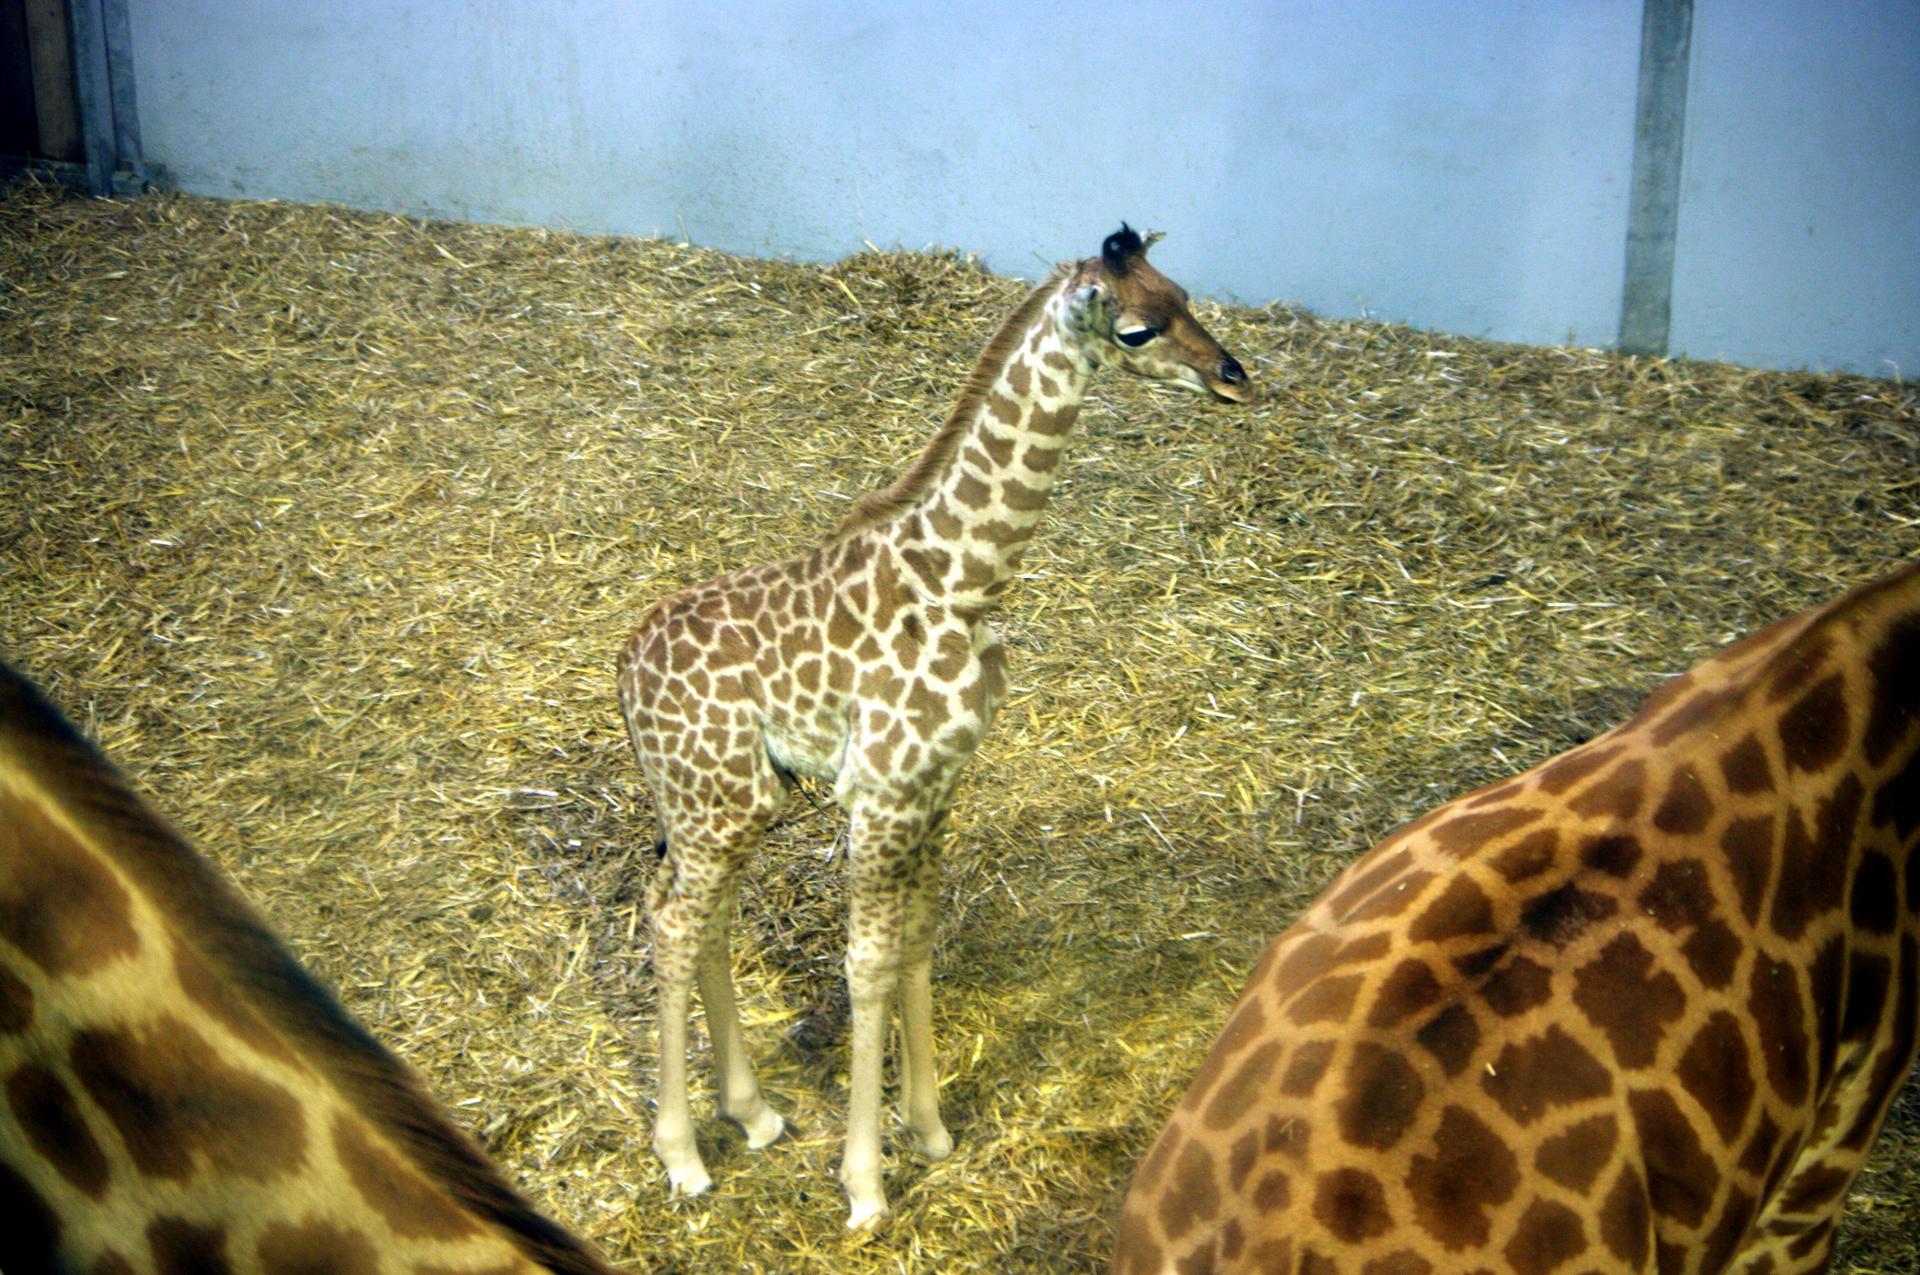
[
  {"x": 176, "y": 1092},
  {"x": 867, "y": 662},
  {"x": 1641, "y": 1008}
]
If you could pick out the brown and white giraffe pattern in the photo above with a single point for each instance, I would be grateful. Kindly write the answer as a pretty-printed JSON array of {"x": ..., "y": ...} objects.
[
  {"x": 1641, "y": 1008},
  {"x": 176, "y": 1093},
  {"x": 867, "y": 662}
]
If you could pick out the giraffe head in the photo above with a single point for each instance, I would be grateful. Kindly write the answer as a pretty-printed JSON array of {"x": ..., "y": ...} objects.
[{"x": 1130, "y": 315}]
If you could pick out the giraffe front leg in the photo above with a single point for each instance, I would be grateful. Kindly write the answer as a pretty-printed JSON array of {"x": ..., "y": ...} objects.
[
  {"x": 920, "y": 1103},
  {"x": 739, "y": 1090},
  {"x": 880, "y": 865},
  {"x": 685, "y": 898}
]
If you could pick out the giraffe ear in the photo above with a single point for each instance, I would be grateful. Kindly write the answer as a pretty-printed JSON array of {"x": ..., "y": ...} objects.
[{"x": 1086, "y": 302}]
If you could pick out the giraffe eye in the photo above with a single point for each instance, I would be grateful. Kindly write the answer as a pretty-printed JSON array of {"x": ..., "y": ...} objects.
[{"x": 1138, "y": 337}]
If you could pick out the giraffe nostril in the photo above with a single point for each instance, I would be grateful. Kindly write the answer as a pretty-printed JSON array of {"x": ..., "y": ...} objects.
[{"x": 1231, "y": 371}]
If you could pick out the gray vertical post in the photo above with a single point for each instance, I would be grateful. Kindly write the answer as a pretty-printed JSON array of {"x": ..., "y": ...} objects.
[
  {"x": 87, "y": 36},
  {"x": 1653, "y": 205},
  {"x": 118, "y": 38}
]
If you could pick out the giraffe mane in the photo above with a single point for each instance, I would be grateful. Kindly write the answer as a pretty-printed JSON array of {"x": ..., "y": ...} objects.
[
  {"x": 207, "y": 911},
  {"x": 926, "y": 469}
]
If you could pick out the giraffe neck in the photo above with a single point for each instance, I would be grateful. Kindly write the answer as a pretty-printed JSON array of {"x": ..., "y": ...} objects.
[{"x": 1013, "y": 424}]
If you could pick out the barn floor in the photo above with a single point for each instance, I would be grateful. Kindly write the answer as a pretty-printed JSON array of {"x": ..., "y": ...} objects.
[{"x": 329, "y": 526}]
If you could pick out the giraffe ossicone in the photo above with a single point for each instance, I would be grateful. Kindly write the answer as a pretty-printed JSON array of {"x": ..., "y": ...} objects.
[
  {"x": 867, "y": 662},
  {"x": 1640, "y": 1008},
  {"x": 176, "y": 1092}
]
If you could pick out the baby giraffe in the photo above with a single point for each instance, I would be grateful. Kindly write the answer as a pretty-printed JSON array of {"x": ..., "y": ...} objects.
[{"x": 867, "y": 661}]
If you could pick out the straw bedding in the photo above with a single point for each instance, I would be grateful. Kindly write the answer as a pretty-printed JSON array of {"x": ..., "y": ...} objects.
[{"x": 329, "y": 526}]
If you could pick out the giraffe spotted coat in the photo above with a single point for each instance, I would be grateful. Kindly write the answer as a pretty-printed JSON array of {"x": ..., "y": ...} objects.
[
  {"x": 176, "y": 1093},
  {"x": 1641, "y": 1008},
  {"x": 867, "y": 662}
]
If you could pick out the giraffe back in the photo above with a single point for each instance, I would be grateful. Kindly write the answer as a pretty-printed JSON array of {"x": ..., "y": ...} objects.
[
  {"x": 176, "y": 1092},
  {"x": 1640, "y": 1008}
]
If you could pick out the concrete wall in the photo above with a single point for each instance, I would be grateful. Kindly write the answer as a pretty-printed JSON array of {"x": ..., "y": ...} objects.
[
  {"x": 1799, "y": 239},
  {"x": 1459, "y": 167}
]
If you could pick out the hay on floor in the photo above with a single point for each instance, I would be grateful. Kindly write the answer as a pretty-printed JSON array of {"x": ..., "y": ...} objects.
[{"x": 329, "y": 526}]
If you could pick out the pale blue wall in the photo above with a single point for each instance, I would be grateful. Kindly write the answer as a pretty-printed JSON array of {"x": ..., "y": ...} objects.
[
  {"x": 1463, "y": 167},
  {"x": 1800, "y": 190}
]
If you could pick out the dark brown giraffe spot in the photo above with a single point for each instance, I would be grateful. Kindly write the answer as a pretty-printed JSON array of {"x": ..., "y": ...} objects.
[
  {"x": 1466, "y": 1171},
  {"x": 1286, "y": 1136},
  {"x": 1756, "y": 1158},
  {"x": 174, "y": 1102},
  {"x": 1562, "y": 914},
  {"x": 1147, "y": 1181},
  {"x": 1681, "y": 1178},
  {"x": 29, "y": 1228},
  {"x": 1626, "y": 1219},
  {"x": 1400, "y": 1262},
  {"x": 1747, "y": 848},
  {"x": 315, "y": 1248},
  {"x": 1351, "y": 1204},
  {"x": 60, "y": 904},
  {"x": 1678, "y": 896},
  {"x": 1021, "y": 497},
  {"x": 1698, "y": 710},
  {"x": 1462, "y": 909},
  {"x": 1868, "y": 980},
  {"x": 1624, "y": 993},
  {"x": 1569, "y": 769},
  {"x": 1451, "y": 1036},
  {"x": 1826, "y": 988},
  {"x": 1875, "y": 906},
  {"x": 218, "y": 998},
  {"x": 1615, "y": 796},
  {"x": 1517, "y": 986},
  {"x": 1328, "y": 1000},
  {"x": 1365, "y": 877},
  {"x": 1272, "y": 1192},
  {"x": 108, "y": 1263},
  {"x": 1895, "y": 668},
  {"x": 1531, "y": 1077},
  {"x": 1233, "y": 1099},
  {"x": 1715, "y": 1071},
  {"x": 412, "y": 1207},
  {"x": 1410, "y": 988},
  {"x": 180, "y": 1247},
  {"x": 1391, "y": 899},
  {"x": 1897, "y": 805},
  {"x": 1736, "y": 1215},
  {"x": 1574, "y": 1156},
  {"x": 972, "y": 491},
  {"x": 51, "y": 1119},
  {"x": 1686, "y": 808},
  {"x": 1233, "y": 1241},
  {"x": 1474, "y": 965},
  {"x": 1382, "y": 1097},
  {"x": 1464, "y": 833},
  {"x": 1712, "y": 952},
  {"x": 1304, "y": 1069},
  {"x": 1528, "y": 857},
  {"x": 1548, "y": 1236},
  {"x": 1814, "y": 862},
  {"x": 1139, "y": 1251},
  {"x": 1191, "y": 1196},
  {"x": 1241, "y": 1158},
  {"x": 1614, "y": 856},
  {"x": 1746, "y": 768},
  {"x": 16, "y": 1004},
  {"x": 1041, "y": 460},
  {"x": 1815, "y": 729}
]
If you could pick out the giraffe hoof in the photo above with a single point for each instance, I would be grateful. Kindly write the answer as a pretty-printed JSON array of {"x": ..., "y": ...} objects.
[
  {"x": 932, "y": 1147},
  {"x": 688, "y": 1181},
  {"x": 868, "y": 1216},
  {"x": 762, "y": 1129}
]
